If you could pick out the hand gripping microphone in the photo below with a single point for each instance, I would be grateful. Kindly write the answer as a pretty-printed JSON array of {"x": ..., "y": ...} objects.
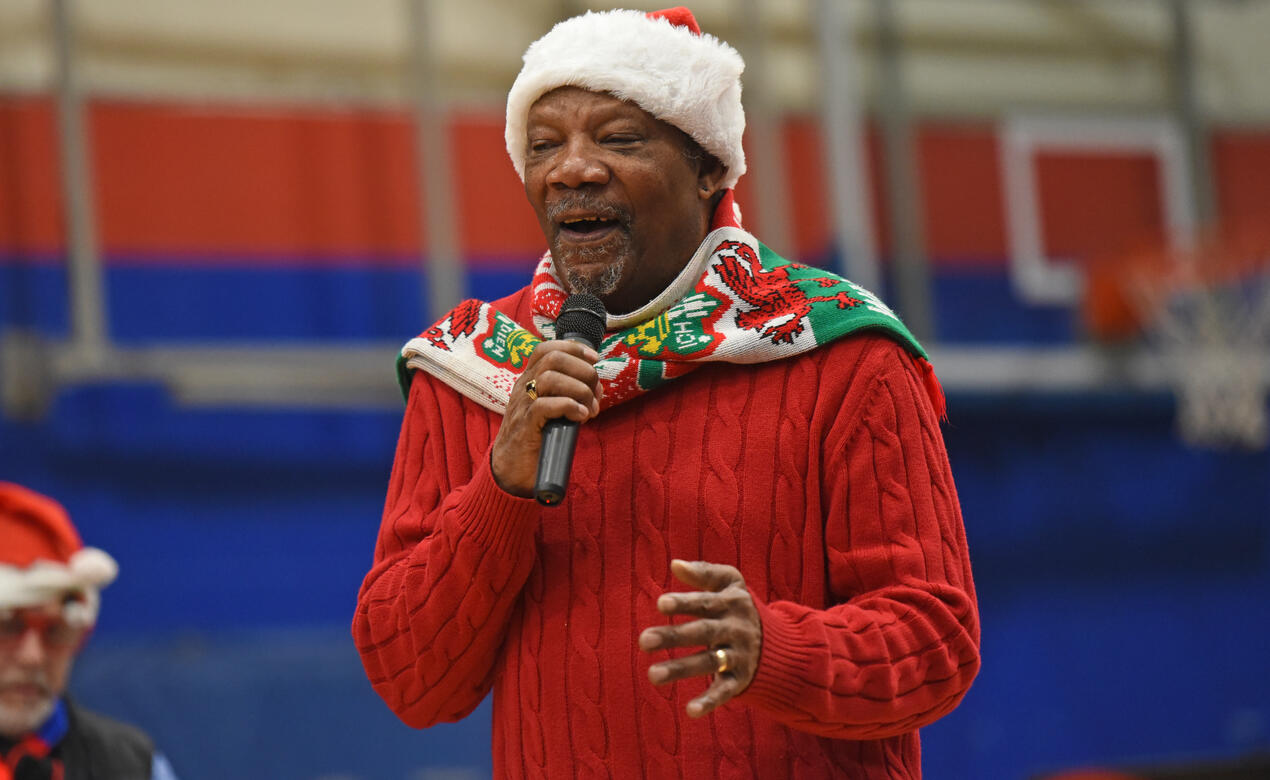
[{"x": 582, "y": 320}]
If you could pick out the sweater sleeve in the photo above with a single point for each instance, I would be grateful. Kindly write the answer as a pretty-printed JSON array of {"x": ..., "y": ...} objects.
[
  {"x": 453, "y": 552},
  {"x": 899, "y": 645}
]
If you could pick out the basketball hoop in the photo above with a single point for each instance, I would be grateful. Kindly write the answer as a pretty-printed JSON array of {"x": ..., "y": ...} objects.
[{"x": 1206, "y": 316}]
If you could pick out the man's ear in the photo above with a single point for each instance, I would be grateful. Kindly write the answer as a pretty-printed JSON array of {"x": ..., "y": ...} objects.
[{"x": 710, "y": 177}]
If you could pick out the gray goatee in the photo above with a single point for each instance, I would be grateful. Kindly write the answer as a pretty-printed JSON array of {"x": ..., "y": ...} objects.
[
  {"x": 616, "y": 252},
  {"x": 600, "y": 284}
]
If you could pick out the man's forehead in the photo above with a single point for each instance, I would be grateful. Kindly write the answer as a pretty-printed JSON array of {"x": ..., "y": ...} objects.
[{"x": 569, "y": 97}]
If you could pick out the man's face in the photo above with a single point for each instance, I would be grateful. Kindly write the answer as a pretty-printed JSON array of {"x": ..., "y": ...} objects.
[
  {"x": 37, "y": 647},
  {"x": 621, "y": 204}
]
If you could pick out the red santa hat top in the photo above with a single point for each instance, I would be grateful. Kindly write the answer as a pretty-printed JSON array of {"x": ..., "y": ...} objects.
[
  {"x": 42, "y": 558},
  {"x": 661, "y": 61}
]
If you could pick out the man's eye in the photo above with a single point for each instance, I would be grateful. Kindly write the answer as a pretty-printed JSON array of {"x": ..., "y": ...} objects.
[
  {"x": 622, "y": 139},
  {"x": 62, "y": 633},
  {"x": 540, "y": 146}
]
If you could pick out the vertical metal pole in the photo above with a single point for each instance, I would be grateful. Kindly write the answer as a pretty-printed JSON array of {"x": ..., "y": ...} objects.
[
  {"x": 89, "y": 326},
  {"x": 912, "y": 271},
  {"x": 1187, "y": 111},
  {"x": 767, "y": 164},
  {"x": 572, "y": 8},
  {"x": 850, "y": 208},
  {"x": 442, "y": 266}
]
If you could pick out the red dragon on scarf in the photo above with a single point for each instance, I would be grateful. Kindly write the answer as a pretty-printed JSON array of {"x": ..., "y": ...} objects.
[{"x": 772, "y": 294}]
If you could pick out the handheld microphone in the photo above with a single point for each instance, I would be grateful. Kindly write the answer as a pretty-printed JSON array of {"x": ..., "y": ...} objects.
[{"x": 582, "y": 320}]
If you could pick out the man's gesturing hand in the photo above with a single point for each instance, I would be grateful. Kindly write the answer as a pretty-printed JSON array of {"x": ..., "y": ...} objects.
[
  {"x": 566, "y": 385},
  {"x": 728, "y": 621}
]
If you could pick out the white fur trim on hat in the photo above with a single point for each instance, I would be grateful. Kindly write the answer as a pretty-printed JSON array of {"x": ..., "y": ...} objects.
[
  {"x": 87, "y": 572},
  {"x": 690, "y": 81}
]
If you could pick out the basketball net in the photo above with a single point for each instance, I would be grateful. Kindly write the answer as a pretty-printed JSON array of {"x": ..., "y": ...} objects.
[{"x": 1205, "y": 313}]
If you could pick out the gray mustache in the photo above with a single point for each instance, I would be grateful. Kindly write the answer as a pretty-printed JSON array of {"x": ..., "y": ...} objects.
[{"x": 38, "y": 679}]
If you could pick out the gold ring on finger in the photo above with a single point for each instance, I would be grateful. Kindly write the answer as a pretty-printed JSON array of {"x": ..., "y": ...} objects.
[
  {"x": 531, "y": 388},
  {"x": 721, "y": 661}
]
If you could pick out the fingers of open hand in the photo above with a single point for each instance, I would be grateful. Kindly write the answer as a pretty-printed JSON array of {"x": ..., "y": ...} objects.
[
  {"x": 699, "y": 632},
  {"x": 727, "y": 625},
  {"x": 724, "y": 687},
  {"x": 705, "y": 603},
  {"x": 740, "y": 634},
  {"x": 705, "y": 575}
]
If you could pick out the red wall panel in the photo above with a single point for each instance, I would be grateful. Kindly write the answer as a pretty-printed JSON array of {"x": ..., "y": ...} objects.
[
  {"x": 495, "y": 219},
  {"x": 1093, "y": 203},
  {"x": 1241, "y": 173},
  {"x": 961, "y": 194},
  {"x": 30, "y": 199},
  {"x": 239, "y": 183},
  {"x": 807, "y": 187},
  {"x": 231, "y": 181}
]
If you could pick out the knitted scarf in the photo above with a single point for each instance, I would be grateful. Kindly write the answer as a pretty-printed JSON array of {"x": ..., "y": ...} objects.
[{"x": 736, "y": 301}]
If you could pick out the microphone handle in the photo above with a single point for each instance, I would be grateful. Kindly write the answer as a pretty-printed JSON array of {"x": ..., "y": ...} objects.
[{"x": 555, "y": 459}]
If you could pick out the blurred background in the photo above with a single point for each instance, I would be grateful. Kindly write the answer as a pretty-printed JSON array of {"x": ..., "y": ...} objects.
[{"x": 219, "y": 222}]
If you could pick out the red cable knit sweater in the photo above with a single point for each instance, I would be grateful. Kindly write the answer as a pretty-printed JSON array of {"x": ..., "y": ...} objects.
[{"x": 822, "y": 478}]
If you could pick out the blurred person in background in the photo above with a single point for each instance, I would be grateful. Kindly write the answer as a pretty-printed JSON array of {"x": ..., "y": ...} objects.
[
  {"x": 761, "y": 505},
  {"x": 50, "y": 587}
]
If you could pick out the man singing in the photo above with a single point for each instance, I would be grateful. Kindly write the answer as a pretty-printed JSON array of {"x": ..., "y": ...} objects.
[{"x": 759, "y": 569}]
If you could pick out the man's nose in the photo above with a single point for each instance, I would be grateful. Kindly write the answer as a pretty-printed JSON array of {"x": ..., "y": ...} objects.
[
  {"x": 579, "y": 165},
  {"x": 30, "y": 649}
]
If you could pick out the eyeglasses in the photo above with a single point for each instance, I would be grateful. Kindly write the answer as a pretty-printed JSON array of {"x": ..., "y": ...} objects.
[{"x": 54, "y": 630}]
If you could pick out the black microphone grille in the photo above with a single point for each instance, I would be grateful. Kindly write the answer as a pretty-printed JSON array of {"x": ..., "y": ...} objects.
[{"x": 583, "y": 315}]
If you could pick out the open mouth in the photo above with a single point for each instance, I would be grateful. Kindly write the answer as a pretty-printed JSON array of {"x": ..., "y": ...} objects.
[{"x": 587, "y": 228}]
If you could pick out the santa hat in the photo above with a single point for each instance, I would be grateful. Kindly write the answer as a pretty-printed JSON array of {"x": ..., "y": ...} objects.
[
  {"x": 661, "y": 61},
  {"x": 42, "y": 558}
]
